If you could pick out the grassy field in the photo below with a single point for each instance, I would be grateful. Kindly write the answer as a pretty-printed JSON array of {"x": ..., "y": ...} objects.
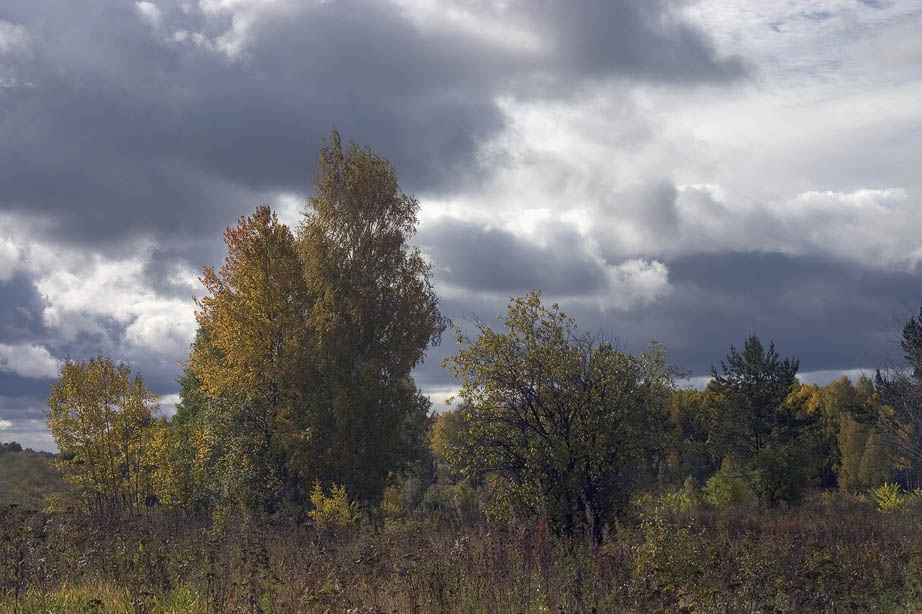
[
  {"x": 830, "y": 555},
  {"x": 27, "y": 478}
]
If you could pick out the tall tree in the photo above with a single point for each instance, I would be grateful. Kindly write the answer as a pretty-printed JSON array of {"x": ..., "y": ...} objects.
[
  {"x": 756, "y": 423},
  {"x": 850, "y": 454},
  {"x": 687, "y": 442},
  {"x": 751, "y": 390},
  {"x": 561, "y": 421},
  {"x": 899, "y": 417},
  {"x": 866, "y": 458},
  {"x": 374, "y": 314},
  {"x": 102, "y": 422},
  {"x": 250, "y": 361}
]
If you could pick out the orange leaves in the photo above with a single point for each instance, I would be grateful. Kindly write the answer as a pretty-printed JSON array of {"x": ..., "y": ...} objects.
[{"x": 254, "y": 315}]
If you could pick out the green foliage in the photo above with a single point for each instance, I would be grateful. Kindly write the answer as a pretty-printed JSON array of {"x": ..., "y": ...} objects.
[
  {"x": 758, "y": 418},
  {"x": 889, "y": 498},
  {"x": 333, "y": 510},
  {"x": 749, "y": 409},
  {"x": 732, "y": 484},
  {"x": 679, "y": 501},
  {"x": 374, "y": 312},
  {"x": 867, "y": 461},
  {"x": 562, "y": 421},
  {"x": 452, "y": 494},
  {"x": 779, "y": 475},
  {"x": 688, "y": 452},
  {"x": 460, "y": 501}
]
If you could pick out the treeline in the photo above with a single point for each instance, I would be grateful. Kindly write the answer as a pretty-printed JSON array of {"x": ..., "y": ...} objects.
[{"x": 297, "y": 397}]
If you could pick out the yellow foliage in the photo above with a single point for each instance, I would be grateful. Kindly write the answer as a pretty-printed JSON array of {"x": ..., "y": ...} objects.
[
  {"x": 102, "y": 422},
  {"x": 332, "y": 511}
]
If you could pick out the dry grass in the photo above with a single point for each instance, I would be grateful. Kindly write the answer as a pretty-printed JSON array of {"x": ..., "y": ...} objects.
[{"x": 832, "y": 556}]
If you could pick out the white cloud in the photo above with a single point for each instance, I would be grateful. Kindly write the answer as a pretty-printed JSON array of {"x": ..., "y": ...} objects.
[
  {"x": 439, "y": 398},
  {"x": 485, "y": 22},
  {"x": 638, "y": 282},
  {"x": 9, "y": 258},
  {"x": 77, "y": 297},
  {"x": 30, "y": 433},
  {"x": 243, "y": 16},
  {"x": 81, "y": 290},
  {"x": 164, "y": 326},
  {"x": 150, "y": 13},
  {"x": 28, "y": 361},
  {"x": 817, "y": 154},
  {"x": 873, "y": 226},
  {"x": 290, "y": 208},
  {"x": 168, "y": 404},
  {"x": 13, "y": 37},
  {"x": 15, "y": 43}
]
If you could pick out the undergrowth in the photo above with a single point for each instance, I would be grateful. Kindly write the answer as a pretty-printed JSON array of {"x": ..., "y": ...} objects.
[{"x": 834, "y": 554}]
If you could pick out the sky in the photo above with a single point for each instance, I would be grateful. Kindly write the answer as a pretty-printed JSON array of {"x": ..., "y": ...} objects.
[{"x": 690, "y": 172}]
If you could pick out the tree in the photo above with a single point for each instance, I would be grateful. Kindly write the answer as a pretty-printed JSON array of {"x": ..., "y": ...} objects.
[
  {"x": 250, "y": 363},
  {"x": 753, "y": 421},
  {"x": 102, "y": 422},
  {"x": 899, "y": 389},
  {"x": 750, "y": 393},
  {"x": 561, "y": 420},
  {"x": 373, "y": 315},
  {"x": 687, "y": 442},
  {"x": 301, "y": 370},
  {"x": 851, "y": 454}
]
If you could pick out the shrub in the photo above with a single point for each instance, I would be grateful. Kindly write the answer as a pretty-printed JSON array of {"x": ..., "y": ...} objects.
[
  {"x": 890, "y": 498},
  {"x": 731, "y": 484},
  {"x": 334, "y": 510},
  {"x": 679, "y": 501},
  {"x": 778, "y": 475}
]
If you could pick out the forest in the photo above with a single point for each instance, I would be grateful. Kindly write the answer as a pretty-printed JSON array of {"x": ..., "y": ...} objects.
[{"x": 305, "y": 471}]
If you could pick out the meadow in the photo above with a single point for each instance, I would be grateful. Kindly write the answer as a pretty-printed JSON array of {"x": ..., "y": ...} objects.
[{"x": 833, "y": 553}]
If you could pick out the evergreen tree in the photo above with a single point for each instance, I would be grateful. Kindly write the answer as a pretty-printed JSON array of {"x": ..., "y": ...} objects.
[{"x": 753, "y": 421}]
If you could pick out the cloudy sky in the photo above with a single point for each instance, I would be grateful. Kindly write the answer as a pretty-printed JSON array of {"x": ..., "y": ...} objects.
[{"x": 685, "y": 171}]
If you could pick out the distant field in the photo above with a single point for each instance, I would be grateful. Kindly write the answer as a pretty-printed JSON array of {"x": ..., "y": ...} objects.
[{"x": 27, "y": 478}]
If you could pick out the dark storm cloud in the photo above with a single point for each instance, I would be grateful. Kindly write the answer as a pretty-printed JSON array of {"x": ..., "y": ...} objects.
[
  {"x": 637, "y": 38},
  {"x": 120, "y": 138},
  {"x": 831, "y": 314},
  {"x": 21, "y": 308},
  {"x": 160, "y": 266},
  {"x": 478, "y": 259},
  {"x": 122, "y": 133},
  {"x": 21, "y": 407},
  {"x": 29, "y": 387}
]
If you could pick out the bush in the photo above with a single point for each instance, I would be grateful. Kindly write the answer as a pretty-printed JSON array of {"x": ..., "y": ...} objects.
[
  {"x": 332, "y": 511},
  {"x": 890, "y": 498},
  {"x": 778, "y": 475},
  {"x": 731, "y": 484},
  {"x": 679, "y": 502}
]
